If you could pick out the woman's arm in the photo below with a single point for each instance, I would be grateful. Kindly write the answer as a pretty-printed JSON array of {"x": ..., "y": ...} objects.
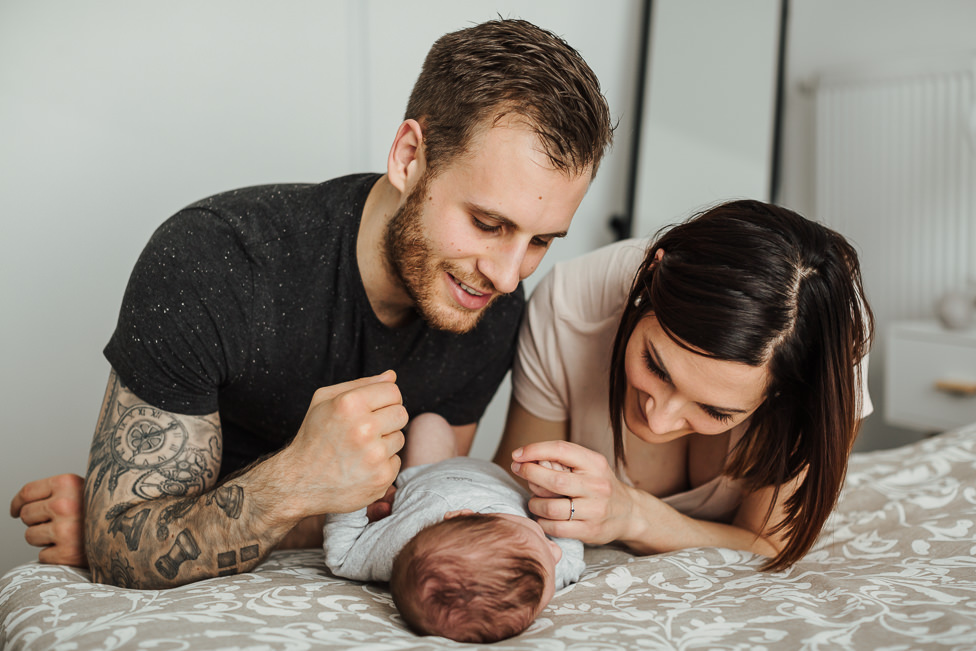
[
  {"x": 607, "y": 510},
  {"x": 660, "y": 528}
]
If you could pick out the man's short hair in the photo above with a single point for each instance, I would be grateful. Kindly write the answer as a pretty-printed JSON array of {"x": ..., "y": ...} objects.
[{"x": 510, "y": 68}]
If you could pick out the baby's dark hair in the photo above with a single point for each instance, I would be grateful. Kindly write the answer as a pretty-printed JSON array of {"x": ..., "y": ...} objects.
[{"x": 469, "y": 579}]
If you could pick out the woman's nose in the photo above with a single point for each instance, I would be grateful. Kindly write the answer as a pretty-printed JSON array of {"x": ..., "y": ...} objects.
[{"x": 664, "y": 413}]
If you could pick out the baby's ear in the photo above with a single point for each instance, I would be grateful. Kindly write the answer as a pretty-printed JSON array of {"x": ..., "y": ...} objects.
[{"x": 454, "y": 514}]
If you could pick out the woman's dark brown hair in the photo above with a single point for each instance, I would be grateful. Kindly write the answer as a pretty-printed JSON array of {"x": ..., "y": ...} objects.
[
  {"x": 510, "y": 67},
  {"x": 755, "y": 283}
]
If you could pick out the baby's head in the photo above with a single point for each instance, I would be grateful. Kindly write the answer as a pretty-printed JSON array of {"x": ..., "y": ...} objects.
[{"x": 475, "y": 577}]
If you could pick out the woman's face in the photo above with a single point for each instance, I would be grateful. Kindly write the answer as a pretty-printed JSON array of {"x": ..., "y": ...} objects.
[{"x": 672, "y": 392}]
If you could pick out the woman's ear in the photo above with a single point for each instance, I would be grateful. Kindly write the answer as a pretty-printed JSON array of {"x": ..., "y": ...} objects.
[{"x": 405, "y": 164}]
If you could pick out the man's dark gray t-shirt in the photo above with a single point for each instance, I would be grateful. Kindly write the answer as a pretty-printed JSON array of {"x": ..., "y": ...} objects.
[{"x": 248, "y": 301}]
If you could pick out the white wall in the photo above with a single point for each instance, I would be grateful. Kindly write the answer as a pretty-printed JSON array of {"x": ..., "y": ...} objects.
[
  {"x": 832, "y": 34},
  {"x": 116, "y": 113}
]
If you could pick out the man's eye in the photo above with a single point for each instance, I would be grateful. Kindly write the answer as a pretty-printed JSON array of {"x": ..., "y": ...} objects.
[
  {"x": 488, "y": 228},
  {"x": 541, "y": 241}
]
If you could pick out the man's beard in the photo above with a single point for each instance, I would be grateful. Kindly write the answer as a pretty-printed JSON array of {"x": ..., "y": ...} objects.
[{"x": 408, "y": 257}]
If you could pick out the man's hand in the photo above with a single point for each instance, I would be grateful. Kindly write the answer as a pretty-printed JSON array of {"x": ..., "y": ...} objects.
[
  {"x": 52, "y": 510},
  {"x": 344, "y": 456}
]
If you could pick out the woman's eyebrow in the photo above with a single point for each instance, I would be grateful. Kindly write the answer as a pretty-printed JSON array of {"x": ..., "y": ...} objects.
[{"x": 656, "y": 358}]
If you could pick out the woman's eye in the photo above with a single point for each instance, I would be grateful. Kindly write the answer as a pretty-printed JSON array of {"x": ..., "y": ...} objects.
[
  {"x": 654, "y": 368},
  {"x": 717, "y": 415}
]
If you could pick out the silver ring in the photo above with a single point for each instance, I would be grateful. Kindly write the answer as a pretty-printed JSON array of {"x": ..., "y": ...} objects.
[{"x": 572, "y": 510}]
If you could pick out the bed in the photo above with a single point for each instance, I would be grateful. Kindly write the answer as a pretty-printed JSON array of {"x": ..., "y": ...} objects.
[{"x": 895, "y": 568}]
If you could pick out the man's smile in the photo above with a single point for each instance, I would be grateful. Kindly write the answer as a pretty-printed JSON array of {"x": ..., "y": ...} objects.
[{"x": 467, "y": 296}]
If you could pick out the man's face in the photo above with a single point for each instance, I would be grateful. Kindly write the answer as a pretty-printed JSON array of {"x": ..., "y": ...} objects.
[{"x": 478, "y": 227}]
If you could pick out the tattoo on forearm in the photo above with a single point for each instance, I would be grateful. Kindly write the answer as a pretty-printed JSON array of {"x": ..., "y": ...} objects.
[
  {"x": 227, "y": 561},
  {"x": 171, "y": 514},
  {"x": 185, "y": 548},
  {"x": 230, "y": 498},
  {"x": 249, "y": 553},
  {"x": 122, "y": 574},
  {"x": 151, "y": 469},
  {"x": 187, "y": 474},
  {"x": 130, "y": 526}
]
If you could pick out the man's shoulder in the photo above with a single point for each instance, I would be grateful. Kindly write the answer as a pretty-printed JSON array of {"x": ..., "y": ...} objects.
[
  {"x": 265, "y": 213},
  {"x": 279, "y": 194}
]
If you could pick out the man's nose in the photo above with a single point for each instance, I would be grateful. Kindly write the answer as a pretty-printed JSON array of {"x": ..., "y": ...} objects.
[{"x": 503, "y": 266}]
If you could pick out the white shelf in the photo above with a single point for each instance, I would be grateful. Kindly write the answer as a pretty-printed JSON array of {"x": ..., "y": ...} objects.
[{"x": 930, "y": 376}]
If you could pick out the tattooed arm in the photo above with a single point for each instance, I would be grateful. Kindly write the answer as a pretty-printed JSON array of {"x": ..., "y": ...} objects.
[{"x": 155, "y": 517}]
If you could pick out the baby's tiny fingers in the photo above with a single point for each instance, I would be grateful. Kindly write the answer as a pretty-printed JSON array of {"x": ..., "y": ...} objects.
[{"x": 554, "y": 465}]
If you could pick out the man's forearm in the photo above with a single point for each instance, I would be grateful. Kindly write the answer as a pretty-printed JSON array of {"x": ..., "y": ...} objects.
[
  {"x": 154, "y": 519},
  {"x": 153, "y": 516},
  {"x": 171, "y": 541}
]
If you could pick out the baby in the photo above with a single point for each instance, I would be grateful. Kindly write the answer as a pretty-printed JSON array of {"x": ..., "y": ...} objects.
[{"x": 463, "y": 557}]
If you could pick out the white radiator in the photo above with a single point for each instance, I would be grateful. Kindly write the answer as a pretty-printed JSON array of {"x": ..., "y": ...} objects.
[{"x": 896, "y": 173}]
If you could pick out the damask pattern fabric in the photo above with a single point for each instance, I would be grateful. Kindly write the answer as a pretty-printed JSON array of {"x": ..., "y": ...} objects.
[{"x": 895, "y": 568}]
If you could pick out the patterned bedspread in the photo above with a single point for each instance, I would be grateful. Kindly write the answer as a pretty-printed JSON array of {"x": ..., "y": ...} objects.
[{"x": 895, "y": 568}]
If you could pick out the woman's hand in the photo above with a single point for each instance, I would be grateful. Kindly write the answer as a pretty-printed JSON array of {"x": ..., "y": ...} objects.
[
  {"x": 604, "y": 509},
  {"x": 588, "y": 503}
]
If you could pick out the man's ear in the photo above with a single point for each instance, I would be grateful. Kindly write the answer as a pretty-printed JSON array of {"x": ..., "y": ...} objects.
[{"x": 406, "y": 164}]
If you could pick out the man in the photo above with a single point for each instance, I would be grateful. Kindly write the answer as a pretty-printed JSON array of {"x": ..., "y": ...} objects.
[{"x": 378, "y": 296}]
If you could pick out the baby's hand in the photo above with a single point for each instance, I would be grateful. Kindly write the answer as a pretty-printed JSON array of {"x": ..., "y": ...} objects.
[
  {"x": 539, "y": 491},
  {"x": 554, "y": 465}
]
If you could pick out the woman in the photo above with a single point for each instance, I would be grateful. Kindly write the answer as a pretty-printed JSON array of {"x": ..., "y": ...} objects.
[{"x": 735, "y": 363}]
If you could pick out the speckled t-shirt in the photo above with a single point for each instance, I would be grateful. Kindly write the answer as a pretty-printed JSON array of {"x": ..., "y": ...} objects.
[{"x": 248, "y": 301}]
